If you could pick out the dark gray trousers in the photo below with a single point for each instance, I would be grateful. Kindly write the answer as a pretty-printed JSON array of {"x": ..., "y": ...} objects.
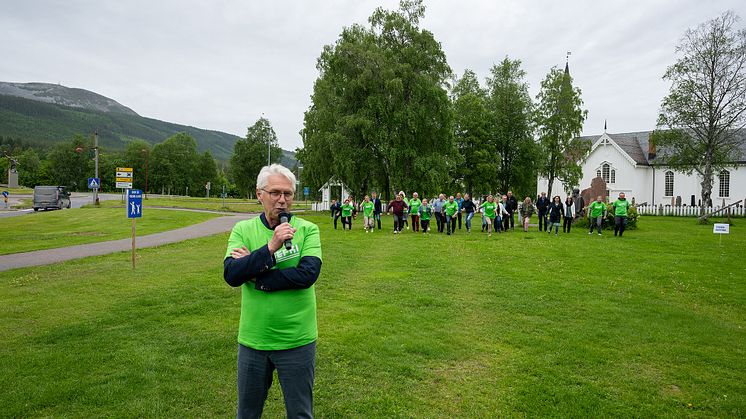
[{"x": 295, "y": 370}]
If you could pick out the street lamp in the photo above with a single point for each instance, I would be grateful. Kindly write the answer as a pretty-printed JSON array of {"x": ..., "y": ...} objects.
[
  {"x": 95, "y": 150},
  {"x": 147, "y": 156}
]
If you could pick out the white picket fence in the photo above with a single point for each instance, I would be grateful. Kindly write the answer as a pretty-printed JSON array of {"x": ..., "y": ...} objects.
[{"x": 688, "y": 210}]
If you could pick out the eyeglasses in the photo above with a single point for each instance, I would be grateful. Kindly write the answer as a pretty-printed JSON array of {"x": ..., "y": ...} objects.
[{"x": 277, "y": 194}]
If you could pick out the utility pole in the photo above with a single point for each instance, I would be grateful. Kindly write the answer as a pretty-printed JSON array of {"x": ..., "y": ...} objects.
[{"x": 95, "y": 150}]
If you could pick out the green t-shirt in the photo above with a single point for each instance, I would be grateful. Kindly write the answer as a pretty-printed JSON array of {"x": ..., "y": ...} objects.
[
  {"x": 621, "y": 206},
  {"x": 414, "y": 205},
  {"x": 368, "y": 209},
  {"x": 489, "y": 209},
  {"x": 426, "y": 212},
  {"x": 597, "y": 209},
  {"x": 450, "y": 208},
  {"x": 347, "y": 210},
  {"x": 277, "y": 320}
]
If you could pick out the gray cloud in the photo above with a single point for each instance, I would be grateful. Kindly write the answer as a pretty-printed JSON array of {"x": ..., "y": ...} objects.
[{"x": 221, "y": 64}]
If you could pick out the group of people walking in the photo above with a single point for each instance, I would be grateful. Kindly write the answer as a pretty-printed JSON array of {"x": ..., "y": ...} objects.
[{"x": 498, "y": 213}]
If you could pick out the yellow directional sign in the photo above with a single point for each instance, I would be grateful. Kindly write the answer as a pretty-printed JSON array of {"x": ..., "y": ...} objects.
[
  {"x": 124, "y": 169},
  {"x": 124, "y": 179}
]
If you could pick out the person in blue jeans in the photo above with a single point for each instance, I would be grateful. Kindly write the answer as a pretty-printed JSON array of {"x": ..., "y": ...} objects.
[{"x": 468, "y": 207}]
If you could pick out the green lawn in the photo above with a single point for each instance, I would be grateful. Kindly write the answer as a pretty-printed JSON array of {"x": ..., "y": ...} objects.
[
  {"x": 516, "y": 325},
  {"x": 212, "y": 204},
  {"x": 47, "y": 230}
]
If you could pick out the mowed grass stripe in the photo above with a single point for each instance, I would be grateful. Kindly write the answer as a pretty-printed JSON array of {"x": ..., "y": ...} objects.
[{"x": 410, "y": 326}]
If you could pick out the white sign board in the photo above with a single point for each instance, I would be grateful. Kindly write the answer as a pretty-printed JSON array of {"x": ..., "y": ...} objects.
[
  {"x": 124, "y": 178},
  {"x": 721, "y": 228}
]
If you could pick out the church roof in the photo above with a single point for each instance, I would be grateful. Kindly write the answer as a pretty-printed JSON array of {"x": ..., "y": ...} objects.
[{"x": 636, "y": 145}]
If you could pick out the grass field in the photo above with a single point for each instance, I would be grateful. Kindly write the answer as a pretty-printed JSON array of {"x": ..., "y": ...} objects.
[
  {"x": 47, "y": 230},
  {"x": 516, "y": 325},
  {"x": 212, "y": 204}
]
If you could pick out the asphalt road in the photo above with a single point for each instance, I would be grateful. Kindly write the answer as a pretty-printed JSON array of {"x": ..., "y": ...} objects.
[
  {"x": 49, "y": 256},
  {"x": 77, "y": 200}
]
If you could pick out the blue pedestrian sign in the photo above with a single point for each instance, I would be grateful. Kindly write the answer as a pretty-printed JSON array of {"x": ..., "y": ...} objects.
[
  {"x": 306, "y": 191},
  {"x": 5, "y": 194},
  {"x": 134, "y": 203},
  {"x": 94, "y": 183}
]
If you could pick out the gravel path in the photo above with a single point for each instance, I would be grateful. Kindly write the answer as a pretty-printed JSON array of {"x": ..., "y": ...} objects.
[{"x": 46, "y": 257}]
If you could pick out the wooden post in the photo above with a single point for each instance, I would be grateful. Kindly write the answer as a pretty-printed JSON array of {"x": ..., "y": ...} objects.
[{"x": 133, "y": 243}]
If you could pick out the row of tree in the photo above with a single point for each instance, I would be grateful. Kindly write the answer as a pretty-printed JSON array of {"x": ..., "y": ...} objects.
[
  {"x": 172, "y": 167},
  {"x": 387, "y": 115}
]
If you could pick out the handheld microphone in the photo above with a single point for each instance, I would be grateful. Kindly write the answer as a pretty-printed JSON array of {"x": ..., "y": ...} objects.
[{"x": 284, "y": 218}]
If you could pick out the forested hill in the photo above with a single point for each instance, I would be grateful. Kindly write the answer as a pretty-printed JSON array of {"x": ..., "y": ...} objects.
[
  {"x": 47, "y": 123},
  {"x": 45, "y": 114}
]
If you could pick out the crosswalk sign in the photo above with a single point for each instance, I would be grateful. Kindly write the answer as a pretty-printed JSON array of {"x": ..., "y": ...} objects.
[{"x": 94, "y": 183}]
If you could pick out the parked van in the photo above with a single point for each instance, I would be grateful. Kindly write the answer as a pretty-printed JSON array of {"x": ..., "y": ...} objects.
[{"x": 51, "y": 197}]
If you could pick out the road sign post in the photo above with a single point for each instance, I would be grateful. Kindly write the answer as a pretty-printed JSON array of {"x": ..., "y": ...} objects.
[
  {"x": 134, "y": 210},
  {"x": 94, "y": 183}
]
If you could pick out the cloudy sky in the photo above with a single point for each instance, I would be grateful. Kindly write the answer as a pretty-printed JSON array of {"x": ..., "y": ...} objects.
[{"x": 222, "y": 64}]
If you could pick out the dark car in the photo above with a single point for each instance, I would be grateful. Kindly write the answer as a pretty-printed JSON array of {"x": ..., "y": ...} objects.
[{"x": 51, "y": 197}]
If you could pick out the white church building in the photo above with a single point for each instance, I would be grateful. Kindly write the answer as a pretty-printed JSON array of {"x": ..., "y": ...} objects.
[{"x": 627, "y": 163}]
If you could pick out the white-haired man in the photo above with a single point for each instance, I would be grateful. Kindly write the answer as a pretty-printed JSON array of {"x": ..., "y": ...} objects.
[{"x": 277, "y": 329}]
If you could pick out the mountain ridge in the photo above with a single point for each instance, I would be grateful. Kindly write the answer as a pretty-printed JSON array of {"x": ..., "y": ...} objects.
[{"x": 46, "y": 113}]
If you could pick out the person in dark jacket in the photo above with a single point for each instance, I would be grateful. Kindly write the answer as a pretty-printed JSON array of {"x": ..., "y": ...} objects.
[
  {"x": 397, "y": 207},
  {"x": 376, "y": 209},
  {"x": 542, "y": 204},
  {"x": 555, "y": 210},
  {"x": 569, "y": 214},
  {"x": 468, "y": 207},
  {"x": 511, "y": 205},
  {"x": 336, "y": 209}
]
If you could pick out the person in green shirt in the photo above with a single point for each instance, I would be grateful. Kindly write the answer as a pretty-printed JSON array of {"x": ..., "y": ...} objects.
[
  {"x": 367, "y": 207},
  {"x": 275, "y": 259},
  {"x": 489, "y": 207},
  {"x": 450, "y": 208},
  {"x": 414, "y": 210},
  {"x": 596, "y": 214},
  {"x": 621, "y": 207},
  {"x": 425, "y": 212},
  {"x": 347, "y": 208}
]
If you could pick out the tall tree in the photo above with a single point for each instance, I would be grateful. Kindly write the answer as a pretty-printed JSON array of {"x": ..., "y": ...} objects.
[
  {"x": 174, "y": 163},
  {"x": 207, "y": 171},
  {"x": 250, "y": 154},
  {"x": 559, "y": 120},
  {"x": 706, "y": 106},
  {"x": 511, "y": 110},
  {"x": 137, "y": 156},
  {"x": 71, "y": 163},
  {"x": 477, "y": 168},
  {"x": 28, "y": 168},
  {"x": 380, "y": 112}
]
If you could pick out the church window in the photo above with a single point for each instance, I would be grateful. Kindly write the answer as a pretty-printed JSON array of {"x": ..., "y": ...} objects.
[
  {"x": 669, "y": 183},
  {"x": 724, "y": 184}
]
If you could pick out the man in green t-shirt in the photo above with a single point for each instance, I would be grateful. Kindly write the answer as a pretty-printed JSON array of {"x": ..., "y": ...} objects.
[
  {"x": 367, "y": 207},
  {"x": 275, "y": 258},
  {"x": 425, "y": 212},
  {"x": 596, "y": 214},
  {"x": 347, "y": 208},
  {"x": 489, "y": 213},
  {"x": 450, "y": 208},
  {"x": 414, "y": 210},
  {"x": 621, "y": 207}
]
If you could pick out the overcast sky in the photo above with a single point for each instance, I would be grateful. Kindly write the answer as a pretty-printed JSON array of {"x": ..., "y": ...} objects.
[{"x": 221, "y": 64}]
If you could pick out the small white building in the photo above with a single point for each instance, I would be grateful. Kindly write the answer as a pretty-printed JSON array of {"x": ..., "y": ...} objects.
[
  {"x": 332, "y": 189},
  {"x": 627, "y": 162}
]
